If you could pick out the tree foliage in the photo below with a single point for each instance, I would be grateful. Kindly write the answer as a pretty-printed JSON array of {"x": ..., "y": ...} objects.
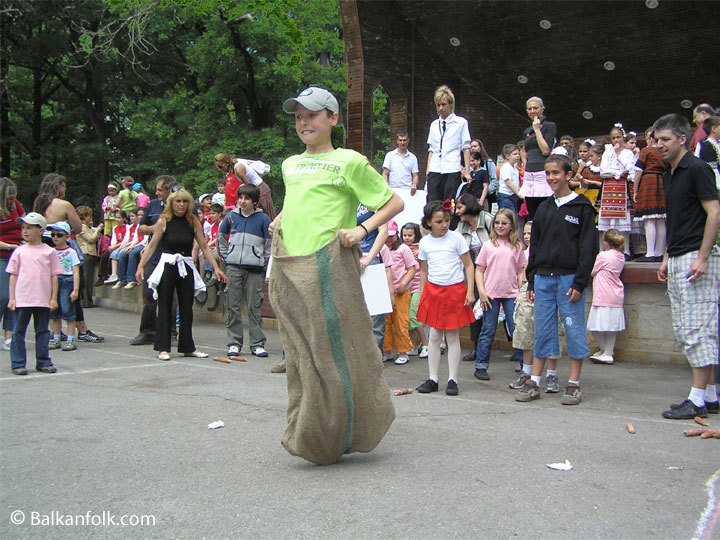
[{"x": 98, "y": 89}]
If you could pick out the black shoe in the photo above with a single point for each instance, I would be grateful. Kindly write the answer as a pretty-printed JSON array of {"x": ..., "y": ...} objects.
[
  {"x": 19, "y": 371},
  {"x": 452, "y": 389},
  {"x": 482, "y": 374},
  {"x": 470, "y": 357},
  {"x": 645, "y": 259},
  {"x": 685, "y": 411},
  {"x": 46, "y": 369},
  {"x": 427, "y": 387},
  {"x": 627, "y": 257},
  {"x": 659, "y": 259},
  {"x": 713, "y": 407},
  {"x": 143, "y": 339},
  {"x": 90, "y": 337}
]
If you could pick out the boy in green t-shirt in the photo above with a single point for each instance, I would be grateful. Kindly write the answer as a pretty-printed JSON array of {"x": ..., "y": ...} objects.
[{"x": 338, "y": 399}]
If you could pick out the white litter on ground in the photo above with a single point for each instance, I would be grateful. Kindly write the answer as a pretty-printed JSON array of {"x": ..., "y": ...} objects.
[
  {"x": 216, "y": 425},
  {"x": 560, "y": 466}
]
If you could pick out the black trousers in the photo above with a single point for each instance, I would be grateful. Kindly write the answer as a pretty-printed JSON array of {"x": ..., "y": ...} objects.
[
  {"x": 88, "y": 268},
  {"x": 532, "y": 204},
  {"x": 442, "y": 186},
  {"x": 170, "y": 283}
]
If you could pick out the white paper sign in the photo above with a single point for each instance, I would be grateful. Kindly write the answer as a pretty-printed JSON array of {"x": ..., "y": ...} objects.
[
  {"x": 414, "y": 204},
  {"x": 375, "y": 288}
]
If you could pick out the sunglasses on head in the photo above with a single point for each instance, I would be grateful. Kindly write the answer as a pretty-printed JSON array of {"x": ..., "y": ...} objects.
[
  {"x": 57, "y": 234},
  {"x": 176, "y": 188}
]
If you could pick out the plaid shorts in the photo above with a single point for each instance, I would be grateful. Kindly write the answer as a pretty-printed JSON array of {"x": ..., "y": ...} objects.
[
  {"x": 694, "y": 308},
  {"x": 524, "y": 316}
]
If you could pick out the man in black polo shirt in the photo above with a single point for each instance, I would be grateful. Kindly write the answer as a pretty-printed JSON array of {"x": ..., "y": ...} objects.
[
  {"x": 691, "y": 265},
  {"x": 153, "y": 210}
]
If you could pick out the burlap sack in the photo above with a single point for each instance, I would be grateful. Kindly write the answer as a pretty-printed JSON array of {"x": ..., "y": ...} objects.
[{"x": 338, "y": 400}]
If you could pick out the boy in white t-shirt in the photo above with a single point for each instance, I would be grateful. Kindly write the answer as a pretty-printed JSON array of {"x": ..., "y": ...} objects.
[
  {"x": 68, "y": 287},
  {"x": 508, "y": 194},
  {"x": 33, "y": 269}
]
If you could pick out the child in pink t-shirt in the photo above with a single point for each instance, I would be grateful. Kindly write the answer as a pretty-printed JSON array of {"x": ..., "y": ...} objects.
[
  {"x": 403, "y": 269},
  {"x": 410, "y": 234},
  {"x": 34, "y": 268},
  {"x": 606, "y": 316},
  {"x": 498, "y": 273}
]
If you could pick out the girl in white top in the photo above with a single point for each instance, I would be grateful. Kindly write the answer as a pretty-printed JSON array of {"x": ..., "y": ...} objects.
[
  {"x": 446, "y": 293},
  {"x": 616, "y": 169}
]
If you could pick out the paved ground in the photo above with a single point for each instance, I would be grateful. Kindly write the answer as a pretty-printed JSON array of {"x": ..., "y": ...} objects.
[{"x": 119, "y": 432}]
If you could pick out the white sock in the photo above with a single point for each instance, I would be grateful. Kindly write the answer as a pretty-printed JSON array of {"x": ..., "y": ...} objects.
[
  {"x": 453, "y": 342},
  {"x": 434, "y": 353},
  {"x": 70, "y": 338},
  {"x": 711, "y": 393},
  {"x": 550, "y": 372},
  {"x": 56, "y": 336},
  {"x": 535, "y": 379},
  {"x": 650, "y": 237},
  {"x": 8, "y": 340},
  {"x": 527, "y": 370},
  {"x": 697, "y": 396},
  {"x": 576, "y": 383}
]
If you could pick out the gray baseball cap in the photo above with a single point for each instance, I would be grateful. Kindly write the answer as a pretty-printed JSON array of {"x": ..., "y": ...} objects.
[{"x": 313, "y": 99}]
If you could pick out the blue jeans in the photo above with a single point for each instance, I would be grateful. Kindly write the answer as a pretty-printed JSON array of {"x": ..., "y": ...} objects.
[
  {"x": 489, "y": 326},
  {"x": 6, "y": 315},
  {"x": 551, "y": 297},
  {"x": 41, "y": 320},
  {"x": 507, "y": 201},
  {"x": 66, "y": 308},
  {"x": 128, "y": 263}
]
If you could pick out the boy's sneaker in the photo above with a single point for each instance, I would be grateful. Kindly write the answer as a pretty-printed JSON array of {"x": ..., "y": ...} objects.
[
  {"x": 233, "y": 350},
  {"x": 482, "y": 374},
  {"x": 47, "y": 369},
  {"x": 427, "y": 387},
  {"x": 111, "y": 279},
  {"x": 90, "y": 337},
  {"x": 119, "y": 285},
  {"x": 423, "y": 352},
  {"x": 54, "y": 344},
  {"x": 6, "y": 344},
  {"x": 401, "y": 360},
  {"x": 388, "y": 356},
  {"x": 131, "y": 284},
  {"x": 19, "y": 371},
  {"x": 451, "y": 389},
  {"x": 259, "y": 352},
  {"x": 211, "y": 281},
  {"x": 69, "y": 346},
  {"x": 685, "y": 411},
  {"x": 280, "y": 367},
  {"x": 551, "y": 384},
  {"x": 572, "y": 395},
  {"x": 519, "y": 381},
  {"x": 528, "y": 392}
]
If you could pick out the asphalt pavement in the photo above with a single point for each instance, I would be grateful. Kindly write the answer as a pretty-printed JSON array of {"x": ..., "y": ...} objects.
[{"x": 117, "y": 445}]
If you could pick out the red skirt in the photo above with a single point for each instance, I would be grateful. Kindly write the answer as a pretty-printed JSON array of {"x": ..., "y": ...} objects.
[{"x": 443, "y": 307}]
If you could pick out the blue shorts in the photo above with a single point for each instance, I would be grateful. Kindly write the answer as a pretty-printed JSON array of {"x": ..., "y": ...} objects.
[
  {"x": 550, "y": 298},
  {"x": 66, "y": 308}
]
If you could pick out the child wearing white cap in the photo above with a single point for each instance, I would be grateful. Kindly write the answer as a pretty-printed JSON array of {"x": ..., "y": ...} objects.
[{"x": 34, "y": 268}]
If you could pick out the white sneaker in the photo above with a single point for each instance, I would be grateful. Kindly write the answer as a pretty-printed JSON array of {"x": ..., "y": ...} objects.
[
  {"x": 423, "y": 352},
  {"x": 6, "y": 344},
  {"x": 112, "y": 279},
  {"x": 401, "y": 360},
  {"x": 118, "y": 285},
  {"x": 131, "y": 284},
  {"x": 388, "y": 356},
  {"x": 233, "y": 350},
  {"x": 602, "y": 359}
]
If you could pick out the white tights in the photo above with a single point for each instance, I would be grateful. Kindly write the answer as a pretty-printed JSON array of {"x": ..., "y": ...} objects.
[
  {"x": 453, "y": 353},
  {"x": 655, "y": 236},
  {"x": 606, "y": 341}
]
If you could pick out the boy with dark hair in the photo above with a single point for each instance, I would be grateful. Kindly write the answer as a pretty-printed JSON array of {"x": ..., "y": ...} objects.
[
  {"x": 564, "y": 246},
  {"x": 244, "y": 242}
]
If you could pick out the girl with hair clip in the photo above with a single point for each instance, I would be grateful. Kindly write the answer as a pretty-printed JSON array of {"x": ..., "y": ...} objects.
[
  {"x": 616, "y": 170},
  {"x": 587, "y": 180},
  {"x": 649, "y": 199},
  {"x": 446, "y": 292},
  {"x": 606, "y": 316}
]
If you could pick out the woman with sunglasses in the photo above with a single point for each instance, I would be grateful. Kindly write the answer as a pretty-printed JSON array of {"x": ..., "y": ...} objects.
[{"x": 175, "y": 231}]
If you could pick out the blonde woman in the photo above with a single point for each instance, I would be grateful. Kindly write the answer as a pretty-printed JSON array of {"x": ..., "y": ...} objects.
[
  {"x": 539, "y": 141},
  {"x": 177, "y": 227}
]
